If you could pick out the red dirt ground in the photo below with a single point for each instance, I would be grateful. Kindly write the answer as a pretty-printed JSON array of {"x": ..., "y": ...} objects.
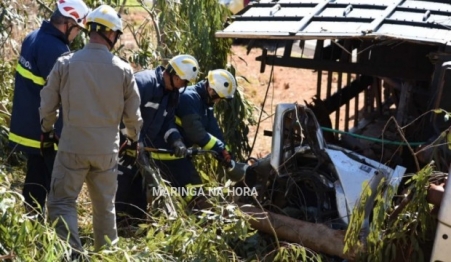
[{"x": 288, "y": 85}]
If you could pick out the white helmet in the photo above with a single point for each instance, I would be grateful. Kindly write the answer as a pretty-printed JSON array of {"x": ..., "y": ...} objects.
[
  {"x": 106, "y": 16},
  {"x": 185, "y": 66},
  {"x": 75, "y": 9},
  {"x": 223, "y": 82}
]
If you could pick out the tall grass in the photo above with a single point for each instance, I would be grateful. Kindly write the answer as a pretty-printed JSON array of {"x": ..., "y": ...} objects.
[{"x": 205, "y": 235}]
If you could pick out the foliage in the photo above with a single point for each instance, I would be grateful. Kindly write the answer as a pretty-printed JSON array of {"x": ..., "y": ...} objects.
[
  {"x": 235, "y": 117},
  {"x": 189, "y": 27},
  {"x": 202, "y": 236},
  {"x": 395, "y": 233},
  {"x": 18, "y": 232},
  {"x": 10, "y": 16}
]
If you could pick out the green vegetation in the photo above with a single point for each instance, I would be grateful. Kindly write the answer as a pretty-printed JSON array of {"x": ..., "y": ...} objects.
[
  {"x": 407, "y": 233},
  {"x": 208, "y": 235},
  {"x": 202, "y": 236}
]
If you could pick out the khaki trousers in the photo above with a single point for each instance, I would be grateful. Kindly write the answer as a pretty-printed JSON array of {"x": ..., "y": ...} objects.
[{"x": 69, "y": 173}]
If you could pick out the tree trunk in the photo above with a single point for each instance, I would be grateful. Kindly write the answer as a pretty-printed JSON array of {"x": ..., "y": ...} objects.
[{"x": 317, "y": 237}]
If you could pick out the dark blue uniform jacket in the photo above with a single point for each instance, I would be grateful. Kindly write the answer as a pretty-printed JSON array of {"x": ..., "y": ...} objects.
[
  {"x": 39, "y": 52},
  {"x": 157, "y": 109},
  {"x": 194, "y": 102}
]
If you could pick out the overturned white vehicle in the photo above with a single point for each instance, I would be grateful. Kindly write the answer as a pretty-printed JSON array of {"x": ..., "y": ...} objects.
[{"x": 306, "y": 179}]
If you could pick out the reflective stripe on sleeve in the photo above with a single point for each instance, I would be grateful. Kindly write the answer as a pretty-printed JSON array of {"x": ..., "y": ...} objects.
[
  {"x": 26, "y": 141},
  {"x": 152, "y": 105},
  {"x": 168, "y": 133},
  {"x": 211, "y": 143},
  {"x": 163, "y": 156},
  {"x": 29, "y": 75}
]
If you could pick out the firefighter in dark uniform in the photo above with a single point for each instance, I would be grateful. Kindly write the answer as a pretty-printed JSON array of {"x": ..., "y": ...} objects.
[
  {"x": 159, "y": 92},
  {"x": 196, "y": 121},
  {"x": 40, "y": 50},
  {"x": 194, "y": 115}
]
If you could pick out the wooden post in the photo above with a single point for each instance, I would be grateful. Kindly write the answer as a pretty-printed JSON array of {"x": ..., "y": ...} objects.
[{"x": 404, "y": 101}]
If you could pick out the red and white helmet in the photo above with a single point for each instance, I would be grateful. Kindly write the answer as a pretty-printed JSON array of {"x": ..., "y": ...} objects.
[
  {"x": 223, "y": 82},
  {"x": 75, "y": 9}
]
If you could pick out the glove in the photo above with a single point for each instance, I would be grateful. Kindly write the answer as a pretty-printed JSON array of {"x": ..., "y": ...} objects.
[
  {"x": 128, "y": 153},
  {"x": 225, "y": 158},
  {"x": 179, "y": 148},
  {"x": 48, "y": 141}
]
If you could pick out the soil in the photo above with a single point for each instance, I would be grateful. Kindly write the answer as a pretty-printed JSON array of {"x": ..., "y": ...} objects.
[{"x": 288, "y": 85}]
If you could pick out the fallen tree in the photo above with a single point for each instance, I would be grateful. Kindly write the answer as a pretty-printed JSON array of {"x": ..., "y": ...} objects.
[{"x": 317, "y": 237}]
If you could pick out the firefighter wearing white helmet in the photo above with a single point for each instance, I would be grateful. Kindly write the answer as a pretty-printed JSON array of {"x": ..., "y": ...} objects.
[
  {"x": 194, "y": 115},
  {"x": 185, "y": 67},
  {"x": 159, "y": 91},
  {"x": 96, "y": 90},
  {"x": 198, "y": 126},
  {"x": 39, "y": 51},
  {"x": 222, "y": 82},
  {"x": 71, "y": 15},
  {"x": 105, "y": 20}
]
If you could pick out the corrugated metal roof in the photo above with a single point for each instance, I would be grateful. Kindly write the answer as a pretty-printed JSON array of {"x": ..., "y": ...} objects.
[{"x": 425, "y": 21}]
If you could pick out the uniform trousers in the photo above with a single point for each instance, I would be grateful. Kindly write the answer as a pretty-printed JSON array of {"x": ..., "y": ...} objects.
[
  {"x": 37, "y": 181},
  {"x": 100, "y": 174}
]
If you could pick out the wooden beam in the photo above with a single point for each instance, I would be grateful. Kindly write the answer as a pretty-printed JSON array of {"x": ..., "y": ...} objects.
[{"x": 355, "y": 68}]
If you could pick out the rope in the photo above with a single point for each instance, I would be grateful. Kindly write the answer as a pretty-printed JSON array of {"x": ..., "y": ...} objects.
[{"x": 382, "y": 141}]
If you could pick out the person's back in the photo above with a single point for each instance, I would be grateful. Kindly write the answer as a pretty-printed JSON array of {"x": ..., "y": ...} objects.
[
  {"x": 92, "y": 97},
  {"x": 195, "y": 110},
  {"x": 195, "y": 117}
]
